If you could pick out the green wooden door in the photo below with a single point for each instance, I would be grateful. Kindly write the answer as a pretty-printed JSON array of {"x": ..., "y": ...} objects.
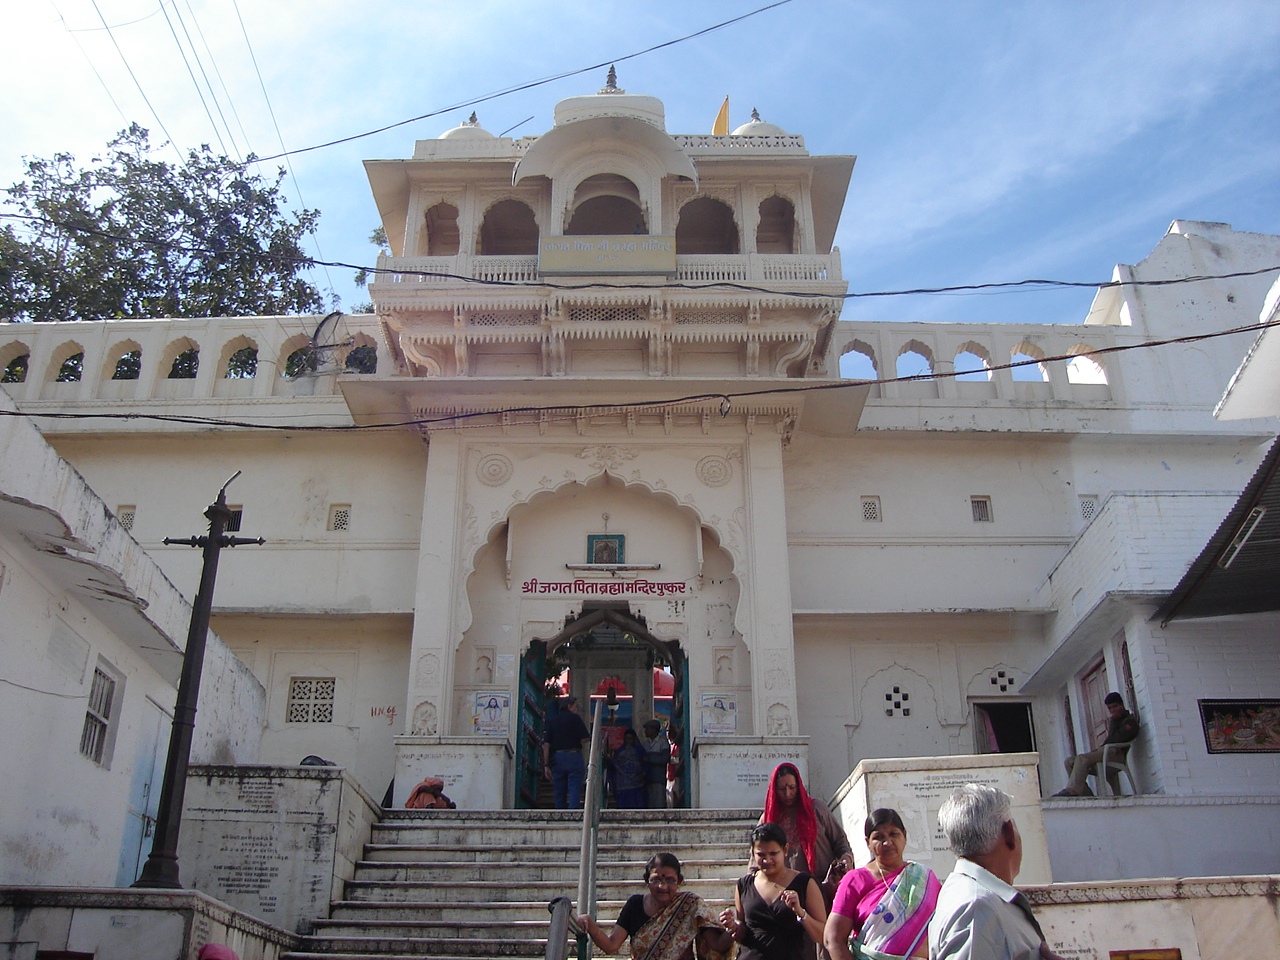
[{"x": 532, "y": 718}]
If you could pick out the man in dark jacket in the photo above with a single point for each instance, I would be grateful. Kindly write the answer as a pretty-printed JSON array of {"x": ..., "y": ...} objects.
[
  {"x": 1121, "y": 728},
  {"x": 562, "y": 755}
]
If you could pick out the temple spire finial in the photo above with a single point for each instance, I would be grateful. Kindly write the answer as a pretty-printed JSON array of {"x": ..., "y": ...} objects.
[
  {"x": 611, "y": 82},
  {"x": 755, "y": 114}
]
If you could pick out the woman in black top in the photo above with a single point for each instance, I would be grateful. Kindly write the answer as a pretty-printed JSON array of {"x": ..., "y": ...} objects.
[{"x": 775, "y": 907}]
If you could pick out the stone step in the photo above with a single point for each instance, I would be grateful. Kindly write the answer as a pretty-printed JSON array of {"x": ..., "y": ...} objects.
[
  {"x": 515, "y": 872},
  {"x": 464, "y": 912},
  {"x": 499, "y": 891},
  {"x": 426, "y": 946},
  {"x": 429, "y": 929},
  {"x": 519, "y": 836},
  {"x": 734, "y": 850}
]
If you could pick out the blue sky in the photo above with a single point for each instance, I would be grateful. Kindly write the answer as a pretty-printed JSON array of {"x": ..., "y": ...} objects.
[{"x": 995, "y": 141}]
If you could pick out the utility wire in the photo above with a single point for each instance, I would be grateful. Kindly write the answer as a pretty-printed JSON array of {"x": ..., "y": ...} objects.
[
  {"x": 218, "y": 73},
  {"x": 125, "y": 60},
  {"x": 194, "y": 82},
  {"x": 212, "y": 94},
  {"x": 280, "y": 136},
  {"x": 537, "y": 83},
  {"x": 105, "y": 88},
  {"x": 707, "y": 285},
  {"x": 562, "y": 411}
]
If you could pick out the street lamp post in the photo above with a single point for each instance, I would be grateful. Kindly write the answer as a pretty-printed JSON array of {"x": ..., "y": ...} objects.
[{"x": 161, "y": 868}]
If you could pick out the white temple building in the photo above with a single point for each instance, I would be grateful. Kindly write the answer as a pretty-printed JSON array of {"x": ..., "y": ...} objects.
[{"x": 598, "y": 422}]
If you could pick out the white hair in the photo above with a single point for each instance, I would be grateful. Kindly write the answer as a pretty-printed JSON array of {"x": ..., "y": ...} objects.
[{"x": 972, "y": 817}]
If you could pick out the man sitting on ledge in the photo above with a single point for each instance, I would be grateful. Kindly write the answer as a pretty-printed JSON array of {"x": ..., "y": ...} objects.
[{"x": 1121, "y": 728}]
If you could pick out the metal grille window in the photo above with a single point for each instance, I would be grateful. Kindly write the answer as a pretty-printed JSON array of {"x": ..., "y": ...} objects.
[
  {"x": 233, "y": 525},
  {"x": 340, "y": 516},
  {"x": 1088, "y": 507},
  {"x": 97, "y": 719},
  {"x": 311, "y": 699},
  {"x": 981, "y": 509},
  {"x": 125, "y": 515},
  {"x": 871, "y": 509}
]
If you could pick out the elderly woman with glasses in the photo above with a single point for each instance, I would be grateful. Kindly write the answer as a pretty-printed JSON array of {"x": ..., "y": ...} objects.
[{"x": 664, "y": 922}]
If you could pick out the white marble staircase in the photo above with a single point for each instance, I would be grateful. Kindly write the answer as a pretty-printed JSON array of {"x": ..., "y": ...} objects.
[{"x": 474, "y": 885}]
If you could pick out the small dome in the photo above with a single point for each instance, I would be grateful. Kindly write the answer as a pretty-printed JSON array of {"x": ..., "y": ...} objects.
[
  {"x": 470, "y": 130},
  {"x": 755, "y": 127}
]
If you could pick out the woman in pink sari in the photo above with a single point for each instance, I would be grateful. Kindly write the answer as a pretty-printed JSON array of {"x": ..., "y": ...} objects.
[{"x": 885, "y": 905}]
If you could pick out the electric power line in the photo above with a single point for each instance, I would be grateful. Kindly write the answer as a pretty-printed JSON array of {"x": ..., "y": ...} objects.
[
  {"x": 199, "y": 63},
  {"x": 136, "y": 83},
  {"x": 194, "y": 82},
  {"x": 537, "y": 83},
  {"x": 562, "y": 411}
]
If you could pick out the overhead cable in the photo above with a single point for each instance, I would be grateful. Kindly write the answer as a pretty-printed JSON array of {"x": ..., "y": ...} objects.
[{"x": 535, "y": 83}]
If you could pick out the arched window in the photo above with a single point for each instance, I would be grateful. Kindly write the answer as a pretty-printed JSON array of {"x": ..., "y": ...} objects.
[
  {"x": 776, "y": 232},
  {"x": 442, "y": 239},
  {"x": 1029, "y": 372},
  {"x": 71, "y": 369},
  {"x": 1082, "y": 368},
  {"x": 915, "y": 360},
  {"x": 606, "y": 205},
  {"x": 243, "y": 364},
  {"x": 362, "y": 358},
  {"x": 508, "y": 230},
  {"x": 706, "y": 226},
  {"x": 972, "y": 364},
  {"x": 300, "y": 362},
  {"x": 128, "y": 365},
  {"x": 15, "y": 371},
  {"x": 185, "y": 365},
  {"x": 858, "y": 362}
]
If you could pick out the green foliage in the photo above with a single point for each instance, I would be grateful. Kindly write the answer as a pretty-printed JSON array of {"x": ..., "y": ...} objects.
[
  {"x": 243, "y": 364},
  {"x": 129, "y": 366},
  {"x": 362, "y": 359},
  {"x": 16, "y": 370},
  {"x": 301, "y": 361},
  {"x": 131, "y": 236},
  {"x": 185, "y": 365},
  {"x": 72, "y": 369},
  {"x": 378, "y": 237}
]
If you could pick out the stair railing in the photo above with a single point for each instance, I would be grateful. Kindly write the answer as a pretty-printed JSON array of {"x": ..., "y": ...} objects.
[{"x": 591, "y": 824}]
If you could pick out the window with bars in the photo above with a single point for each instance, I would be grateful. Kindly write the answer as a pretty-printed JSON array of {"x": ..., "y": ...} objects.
[
  {"x": 340, "y": 516},
  {"x": 125, "y": 514},
  {"x": 981, "y": 507},
  {"x": 311, "y": 699},
  {"x": 1088, "y": 507},
  {"x": 237, "y": 515},
  {"x": 871, "y": 510},
  {"x": 97, "y": 718}
]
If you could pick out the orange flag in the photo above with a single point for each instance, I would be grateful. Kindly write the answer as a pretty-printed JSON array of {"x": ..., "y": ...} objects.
[{"x": 721, "y": 126}]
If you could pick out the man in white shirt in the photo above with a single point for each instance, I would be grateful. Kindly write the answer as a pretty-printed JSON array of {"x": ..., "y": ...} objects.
[{"x": 980, "y": 915}]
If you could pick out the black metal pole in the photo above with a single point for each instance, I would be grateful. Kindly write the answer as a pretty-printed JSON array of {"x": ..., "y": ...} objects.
[{"x": 161, "y": 868}]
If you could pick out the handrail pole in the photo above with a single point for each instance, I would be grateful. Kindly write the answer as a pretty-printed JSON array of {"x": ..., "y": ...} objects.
[
  {"x": 558, "y": 935},
  {"x": 590, "y": 824}
]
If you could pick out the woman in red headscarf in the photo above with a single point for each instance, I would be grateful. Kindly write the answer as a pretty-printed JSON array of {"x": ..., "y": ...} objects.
[{"x": 816, "y": 842}]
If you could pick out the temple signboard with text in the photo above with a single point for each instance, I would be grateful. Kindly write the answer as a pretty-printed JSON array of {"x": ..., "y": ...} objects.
[{"x": 627, "y": 254}]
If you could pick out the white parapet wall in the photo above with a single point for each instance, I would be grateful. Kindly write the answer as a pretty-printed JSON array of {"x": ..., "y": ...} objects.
[{"x": 916, "y": 788}]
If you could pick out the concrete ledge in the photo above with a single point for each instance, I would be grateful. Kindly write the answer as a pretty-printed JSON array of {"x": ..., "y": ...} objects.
[{"x": 125, "y": 924}]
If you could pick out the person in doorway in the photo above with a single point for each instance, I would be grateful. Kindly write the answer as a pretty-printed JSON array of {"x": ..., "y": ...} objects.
[
  {"x": 887, "y": 904},
  {"x": 675, "y": 766},
  {"x": 1122, "y": 727},
  {"x": 657, "y": 755},
  {"x": 627, "y": 772},
  {"x": 776, "y": 909},
  {"x": 562, "y": 755},
  {"x": 980, "y": 915},
  {"x": 663, "y": 923}
]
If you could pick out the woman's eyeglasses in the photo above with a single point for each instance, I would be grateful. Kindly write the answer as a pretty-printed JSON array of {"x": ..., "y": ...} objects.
[{"x": 663, "y": 882}]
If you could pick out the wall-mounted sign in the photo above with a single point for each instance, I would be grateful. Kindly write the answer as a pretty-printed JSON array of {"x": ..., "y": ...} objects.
[
  {"x": 719, "y": 714},
  {"x": 612, "y": 587},
  {"x": 629, "y": 255},
  {"x": 492, "y": 714}
]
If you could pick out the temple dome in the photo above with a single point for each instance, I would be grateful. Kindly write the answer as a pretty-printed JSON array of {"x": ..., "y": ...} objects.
[
  {"x": 467, "y": 130},
  {"x": 755, "y": 127}
]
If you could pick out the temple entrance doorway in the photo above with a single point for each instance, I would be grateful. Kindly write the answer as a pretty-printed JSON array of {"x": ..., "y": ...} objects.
[{"x": 605, "y": 648}]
